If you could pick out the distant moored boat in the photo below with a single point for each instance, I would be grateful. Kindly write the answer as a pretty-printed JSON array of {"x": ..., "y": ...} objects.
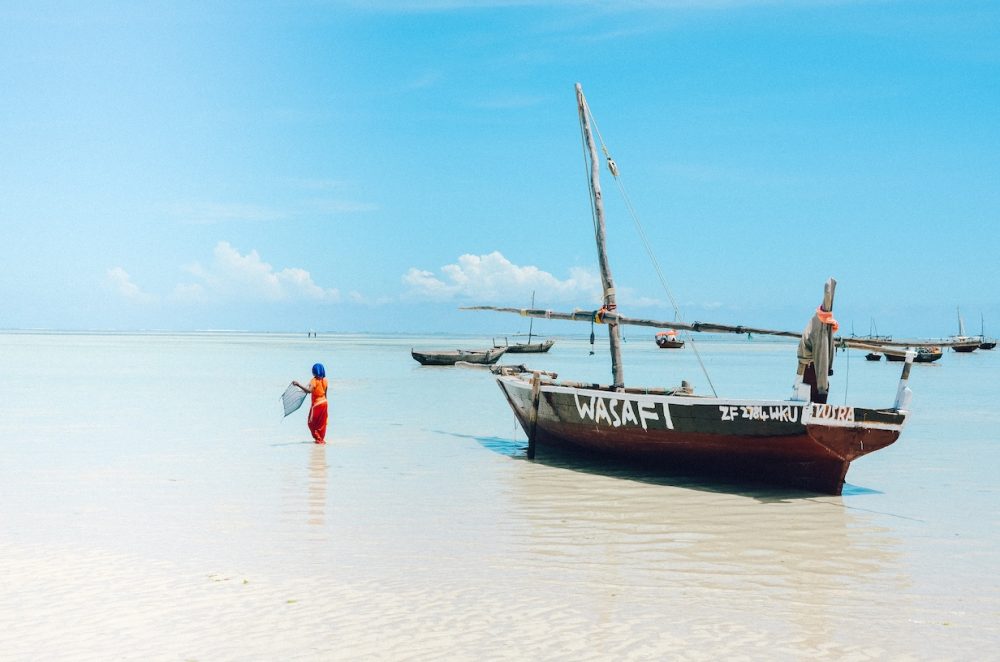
[
  {"x": 451, "y": 357},
  {"x": 923, "y": 355},
  {"x": 668, "y": 340}
]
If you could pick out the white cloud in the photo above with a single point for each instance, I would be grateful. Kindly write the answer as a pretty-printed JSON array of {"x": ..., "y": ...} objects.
[
  {"x": 209, "y": 213},
  {"x": 423, "y": 81},
  {"x": 492, "y": 277},
  {"x": 234, "y": 276},
  {"x": 121, "y": 282}
]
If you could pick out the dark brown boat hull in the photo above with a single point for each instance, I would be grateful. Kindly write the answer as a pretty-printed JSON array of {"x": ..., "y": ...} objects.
[
  {"x": 530, "y": 348},
  {"x": 793, "y": 444},
  {"x": 483, "y": 357},
  {"x": 920, "y": 357},
  {"x": 966, "y": 347}
]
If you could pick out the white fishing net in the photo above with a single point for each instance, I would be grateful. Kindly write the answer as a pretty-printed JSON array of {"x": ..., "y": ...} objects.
[{"x": 292, "y": 398}]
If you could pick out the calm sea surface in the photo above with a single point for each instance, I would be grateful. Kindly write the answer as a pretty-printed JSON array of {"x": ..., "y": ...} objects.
[{"x": 155, "y": 505}]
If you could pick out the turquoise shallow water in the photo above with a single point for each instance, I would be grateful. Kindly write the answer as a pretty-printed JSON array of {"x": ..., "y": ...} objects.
[{"x": 420, "y": 531}]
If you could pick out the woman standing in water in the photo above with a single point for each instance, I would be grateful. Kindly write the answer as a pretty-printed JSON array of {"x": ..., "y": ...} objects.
[{"x": 317, "y": 410}]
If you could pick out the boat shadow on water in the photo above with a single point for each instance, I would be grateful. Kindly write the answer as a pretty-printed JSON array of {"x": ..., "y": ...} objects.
[{"x": 692, "y": 478}]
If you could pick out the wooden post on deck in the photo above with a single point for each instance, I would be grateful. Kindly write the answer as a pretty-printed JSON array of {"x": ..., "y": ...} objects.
[
  {"x": 903, "y": 392},
  {"x": 536, "y": 396}
]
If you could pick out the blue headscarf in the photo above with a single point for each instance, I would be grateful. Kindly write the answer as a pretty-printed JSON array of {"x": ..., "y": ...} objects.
[{"x": 319, "y": 371}]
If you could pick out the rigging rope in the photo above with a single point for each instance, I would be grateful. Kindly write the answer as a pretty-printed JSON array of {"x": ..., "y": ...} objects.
[
  {"x": 590, "y": 186},
  {"x": 613, "y": 167},
  {"x": 847, "y": 379}
]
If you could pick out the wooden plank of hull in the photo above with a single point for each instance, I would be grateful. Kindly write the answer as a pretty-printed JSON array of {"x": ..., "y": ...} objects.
[{"x": 784, "y": 443}]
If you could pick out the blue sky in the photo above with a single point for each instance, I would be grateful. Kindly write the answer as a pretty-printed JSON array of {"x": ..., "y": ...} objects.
[{"x": 372, "y": 166}]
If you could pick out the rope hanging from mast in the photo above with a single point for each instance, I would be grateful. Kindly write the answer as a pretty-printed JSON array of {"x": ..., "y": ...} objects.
[{"x": 613, "y": 168}]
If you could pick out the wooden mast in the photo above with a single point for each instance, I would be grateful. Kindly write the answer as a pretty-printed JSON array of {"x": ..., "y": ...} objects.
[
  {"x": 531, "y": 321},
  {"x": 600, "y": 234}
]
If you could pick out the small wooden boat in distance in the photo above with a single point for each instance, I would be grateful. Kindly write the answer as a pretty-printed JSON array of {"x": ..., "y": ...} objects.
[
  {"x": 984, "y": 342},
  {"x": 668, "y": 340},
  {"x": 961, "y": 342},
  {"x": 873, "y": 356},
  {"x": 451, "y": 357},
  {"x": 530, "y": 348},
  {"x": 923, "y": 355}
]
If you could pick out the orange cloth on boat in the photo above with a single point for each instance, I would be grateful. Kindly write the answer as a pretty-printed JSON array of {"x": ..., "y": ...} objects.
[
  {"x": 826, "y": 317},
  {"x": 816, "y": 347}
]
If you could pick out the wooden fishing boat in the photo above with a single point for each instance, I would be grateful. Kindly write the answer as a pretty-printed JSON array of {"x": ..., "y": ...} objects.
[
  {"x": 531, "y": 348},
  {"x": 451, "y": 357},
  {"x": 923, "y": 355},
  {"x": 795, "y": 442},
  {"x": 961, "y": 342},
  {"x": 668, "y": 340},
  {"x": 873, "y": 356},
  {"x": 984, "y": 342},
  {"x": 528, "y": 347}
]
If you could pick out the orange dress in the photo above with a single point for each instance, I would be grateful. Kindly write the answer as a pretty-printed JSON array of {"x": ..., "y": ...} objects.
[{"x": 318, "y": 410}]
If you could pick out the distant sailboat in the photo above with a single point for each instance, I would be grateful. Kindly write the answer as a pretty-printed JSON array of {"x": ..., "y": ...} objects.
[
  {"x": 984, "y": 342},
  {"x": 961, "y": 342},
  {"x": 528, "y": 347}
]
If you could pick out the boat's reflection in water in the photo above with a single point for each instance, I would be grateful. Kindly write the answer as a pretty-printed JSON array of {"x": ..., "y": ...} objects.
[{"x": 649, "y": 549}]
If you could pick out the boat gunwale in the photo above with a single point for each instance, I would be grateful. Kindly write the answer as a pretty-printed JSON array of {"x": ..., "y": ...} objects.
[{"x": 688, "y": 399}]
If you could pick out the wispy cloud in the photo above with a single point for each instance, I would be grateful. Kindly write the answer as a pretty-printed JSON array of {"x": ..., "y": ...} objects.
[
  {"x": 338, "y": 207},
  {"x": 494, "y": 278},
  {"x": 512, "y": 102},
  {"x": 120, "y": 282},
  {"x": 422, "y": 81},
  {"x": 318, "y": 184},
  {"x": 213, "y": 213},
  {"x": 232, "y": 276}
]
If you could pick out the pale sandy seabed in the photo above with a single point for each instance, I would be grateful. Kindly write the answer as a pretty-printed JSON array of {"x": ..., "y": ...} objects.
[{"x": 194, "y": 524}]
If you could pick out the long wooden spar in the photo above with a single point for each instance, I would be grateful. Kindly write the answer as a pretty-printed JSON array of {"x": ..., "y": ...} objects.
[{"x": 607, "y": 316}]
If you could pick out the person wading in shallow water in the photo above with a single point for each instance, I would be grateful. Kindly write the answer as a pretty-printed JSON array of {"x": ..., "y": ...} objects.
[{"x": 318, "y": 387}]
